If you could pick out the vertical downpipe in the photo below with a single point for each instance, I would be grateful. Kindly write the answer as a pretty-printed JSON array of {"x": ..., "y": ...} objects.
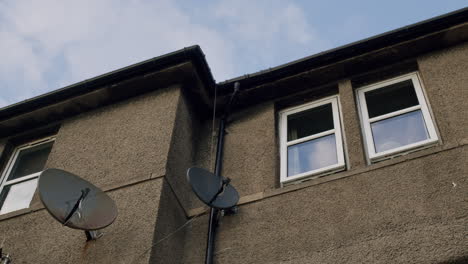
[{"x": 213, "y": 221}]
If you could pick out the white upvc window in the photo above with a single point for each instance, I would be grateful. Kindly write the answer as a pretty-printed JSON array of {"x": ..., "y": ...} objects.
[
  {"x": 311, "y": 141},
  {"x": 395, "y": 117},
  {"x": 19, "y": 179}
]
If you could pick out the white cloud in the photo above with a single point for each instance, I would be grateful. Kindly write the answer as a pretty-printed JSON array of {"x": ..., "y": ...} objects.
[
  {"x": 268, "y": 33},
  {"x": 264, "y": 20},
  {"x": 47, "y": 44}
]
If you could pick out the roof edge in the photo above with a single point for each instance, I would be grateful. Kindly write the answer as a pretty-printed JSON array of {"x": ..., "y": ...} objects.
[
  {"x": 192, "y": 53},
  {"x": 353, "y": 49},
  {"x": 195, "y": 55}
]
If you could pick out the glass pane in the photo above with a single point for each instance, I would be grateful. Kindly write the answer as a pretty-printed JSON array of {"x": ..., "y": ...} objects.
[
  {"x": 18, "y": 196},
  {"x": 310, "y": 122},
  {"x": 312, "y": 155},
  {"x": 391, "y": 98},
  {"x": 4, "y": 194},
  {"x": 30, "y": 160},
  {"x": 399, "y": 131}
]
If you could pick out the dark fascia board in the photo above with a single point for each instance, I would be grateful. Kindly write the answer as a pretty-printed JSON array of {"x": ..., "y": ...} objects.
[
  {"x": 354, "y": 49},
  {"x": 195, "y": 55},
  {"x": 192, "y": 54}
]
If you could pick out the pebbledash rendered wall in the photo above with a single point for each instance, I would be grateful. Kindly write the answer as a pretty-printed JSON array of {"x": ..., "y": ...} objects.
[
  {"x": 121, "y": 148},
  {"x": 410, "y": 209}
]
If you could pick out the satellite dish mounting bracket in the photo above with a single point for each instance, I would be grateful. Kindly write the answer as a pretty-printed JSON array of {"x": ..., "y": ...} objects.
[{"x": 93, "y": 235}]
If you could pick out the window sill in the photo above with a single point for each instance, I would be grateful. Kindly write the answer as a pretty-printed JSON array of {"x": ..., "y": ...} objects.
[
  {"x": 16, "y": 213},
  {"x": 307, "y": 176},
  {"x": 403, "y": 151},
  {"x": 36, "y": 205},
  {"x": 351, "y": 172}
]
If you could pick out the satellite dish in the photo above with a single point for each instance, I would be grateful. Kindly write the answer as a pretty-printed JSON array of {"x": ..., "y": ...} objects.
[
  {"x": 212, "y": 190},
  {"x": 75, "y": 202}
]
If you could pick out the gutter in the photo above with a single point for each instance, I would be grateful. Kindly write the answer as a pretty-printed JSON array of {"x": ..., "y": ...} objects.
[
  {"x": 353, "y": 49},
  {"x": 193, "y": 54}
]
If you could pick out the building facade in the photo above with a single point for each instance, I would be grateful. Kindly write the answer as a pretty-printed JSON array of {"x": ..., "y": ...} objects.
[{"x": 354, "y": 155}]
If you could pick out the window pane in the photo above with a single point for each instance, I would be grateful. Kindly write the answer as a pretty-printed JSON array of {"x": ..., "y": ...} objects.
[
  {"x": 399, "y": 131},
  {"x": 391, "y": 98},
  {"x": 312, "y": 155},
  {"x": 310, "y": 122},
  {"x": 18, "y": 196},
  {"x": 30, "y": 160},
  {"x": 4, "y": 194}
]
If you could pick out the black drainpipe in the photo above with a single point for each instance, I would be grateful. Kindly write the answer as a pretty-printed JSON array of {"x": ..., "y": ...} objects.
[{"x": 213, "y": 222}]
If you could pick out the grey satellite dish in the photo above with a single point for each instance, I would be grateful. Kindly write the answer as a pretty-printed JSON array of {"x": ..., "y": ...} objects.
[
  {"x": 212, "y": 190},
  {"x": 75, "y": 202}
]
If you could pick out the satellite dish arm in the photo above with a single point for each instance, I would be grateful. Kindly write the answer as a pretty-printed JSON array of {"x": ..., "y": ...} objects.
[
  {"x": 84, "y": 193},
  {"x": 221, "y": 189}
]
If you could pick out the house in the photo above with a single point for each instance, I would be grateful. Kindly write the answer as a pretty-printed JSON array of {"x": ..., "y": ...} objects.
[{"x": 353, "y": 155}]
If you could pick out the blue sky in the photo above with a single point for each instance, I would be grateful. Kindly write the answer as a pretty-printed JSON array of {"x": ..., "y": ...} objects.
[{"x": 48, "y": 44}]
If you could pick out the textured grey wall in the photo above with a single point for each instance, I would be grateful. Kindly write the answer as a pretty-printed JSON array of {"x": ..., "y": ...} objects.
[
  {"x": 181, "y": 154},
  {"x": 445, "y": 77},
  {"x": 121, "y": 143},
  {"x": 37, "y": 238},
  {"x": 411, "y": 209},
  {"x": 123, "y": 149}
]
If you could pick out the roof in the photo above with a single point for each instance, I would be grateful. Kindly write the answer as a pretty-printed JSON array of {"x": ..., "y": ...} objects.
[
  {"x": 353, "y": 49},
  {"x": 387, "y": 48},
  {"x": 192, "y": 54}
]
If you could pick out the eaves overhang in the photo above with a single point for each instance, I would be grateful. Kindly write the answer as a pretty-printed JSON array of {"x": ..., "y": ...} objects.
[
  {"x": 189, "y": 68},
  {"x": 186, "y": 67},
  {"x": 351, "y": 60}
]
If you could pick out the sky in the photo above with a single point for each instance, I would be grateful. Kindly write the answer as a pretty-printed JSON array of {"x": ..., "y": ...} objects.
[{"x": 49, "y": 44}]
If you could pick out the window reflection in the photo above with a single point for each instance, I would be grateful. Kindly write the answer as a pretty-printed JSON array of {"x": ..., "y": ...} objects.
[
  {"x": 312, "y": 155},
  {"x": 399, "y": 131},
  {"x": 18, "y": 196}
]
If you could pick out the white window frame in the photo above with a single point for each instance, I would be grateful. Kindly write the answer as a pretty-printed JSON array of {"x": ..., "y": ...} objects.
[
  {"x": 11, "y": 162},
  {"x": 366, "y": 121},
  {"x": 284, "y": 144}
]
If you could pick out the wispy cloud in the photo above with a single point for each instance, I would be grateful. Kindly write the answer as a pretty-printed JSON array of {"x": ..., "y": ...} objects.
[
  {"x": 48, "y": 44},
  {"x": 267, "y": 33}
]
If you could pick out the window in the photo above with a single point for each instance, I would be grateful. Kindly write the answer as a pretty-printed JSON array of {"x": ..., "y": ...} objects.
[
  {"x": 19, "y": 179},
  {"x": 395, "y": 117},
  {"x": 310, "y": 140}
]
